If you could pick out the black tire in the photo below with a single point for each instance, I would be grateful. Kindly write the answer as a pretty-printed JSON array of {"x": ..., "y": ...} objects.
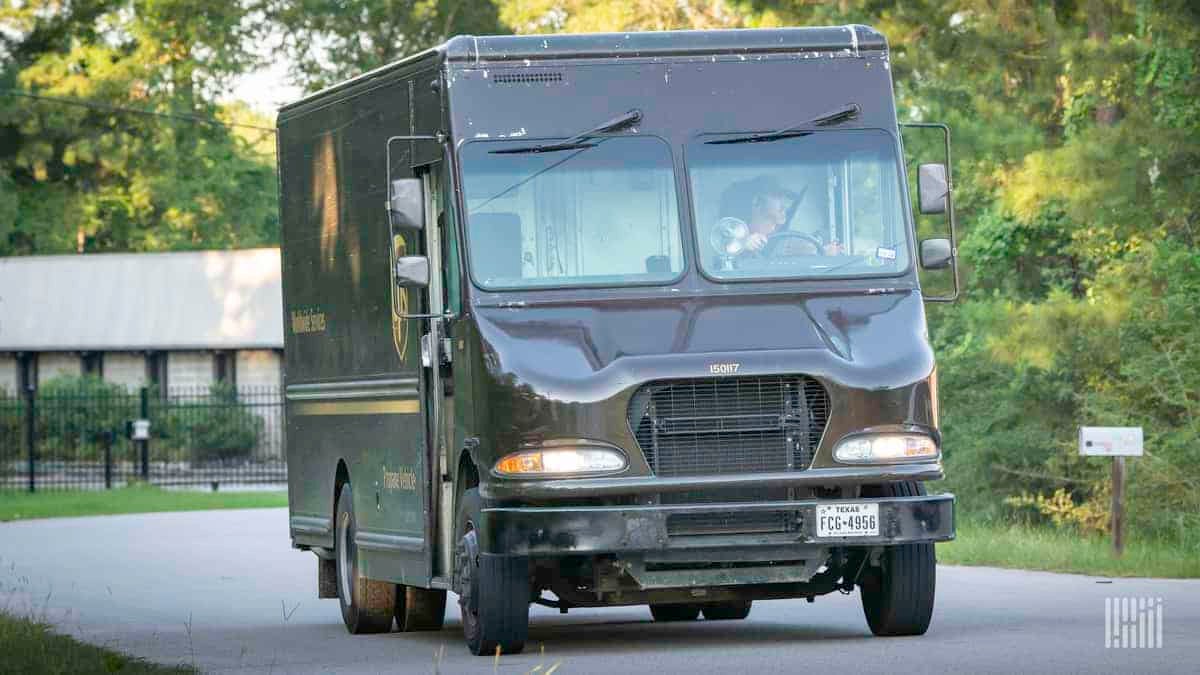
[
  {"x": 727, "y": 611},
  {"x": 494, "y": 591},
  {"x": 897, "y": 596},
  {"x": 675, "y": 612},
  {"x": 419, "y": 608},
  {"x": 367, "y": 604}
]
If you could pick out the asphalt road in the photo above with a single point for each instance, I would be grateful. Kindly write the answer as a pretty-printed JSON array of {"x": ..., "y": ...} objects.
[{"x": 224, "y": 591}]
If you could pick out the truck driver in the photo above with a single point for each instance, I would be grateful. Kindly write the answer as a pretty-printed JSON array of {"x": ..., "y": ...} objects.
[{"x": 770, "y": 206}]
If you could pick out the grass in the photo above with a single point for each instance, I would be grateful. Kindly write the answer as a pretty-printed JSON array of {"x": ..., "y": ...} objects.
[
  {"x": 29, "y": 646},
  {"x": 133, "y": 499},
  {"x": 1040, "y": 548}
]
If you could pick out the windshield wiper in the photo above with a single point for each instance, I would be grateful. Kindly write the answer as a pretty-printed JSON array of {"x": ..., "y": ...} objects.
[
  {"x": 846, "y": 112},
  {"x": 578, "y": 141}
]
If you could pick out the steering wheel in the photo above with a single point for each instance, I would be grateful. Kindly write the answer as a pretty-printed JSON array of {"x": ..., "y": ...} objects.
[{"x": 778, "y": 239}]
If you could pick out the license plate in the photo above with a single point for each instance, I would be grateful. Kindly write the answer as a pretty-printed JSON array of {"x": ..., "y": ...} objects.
[{"x": 847, "y": 520}]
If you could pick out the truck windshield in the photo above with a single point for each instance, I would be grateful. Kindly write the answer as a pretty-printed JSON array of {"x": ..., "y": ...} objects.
[
  {"x": 818, "y": 204},
  {"x": 601, "y": 213}
]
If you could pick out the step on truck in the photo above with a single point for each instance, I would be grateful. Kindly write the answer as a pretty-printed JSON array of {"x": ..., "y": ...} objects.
[{"x": 613, "y": 319}]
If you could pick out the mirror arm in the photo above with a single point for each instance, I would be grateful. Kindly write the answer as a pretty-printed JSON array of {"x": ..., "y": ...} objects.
[
  {"x": 949, "y": 206},
  {"x": 448, "y": 316}
]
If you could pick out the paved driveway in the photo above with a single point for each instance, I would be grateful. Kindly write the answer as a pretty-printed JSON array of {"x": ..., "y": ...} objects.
[{"x": 224, "y": 590}]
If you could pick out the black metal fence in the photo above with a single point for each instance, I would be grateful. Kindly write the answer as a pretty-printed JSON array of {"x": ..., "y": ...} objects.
[{"x": 84, "y": 437}]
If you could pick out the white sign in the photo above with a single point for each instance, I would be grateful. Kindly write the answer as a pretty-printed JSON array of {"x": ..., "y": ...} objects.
[
  {"x": 141, "y": 430},
  {"x": 1110, "y": 441}
]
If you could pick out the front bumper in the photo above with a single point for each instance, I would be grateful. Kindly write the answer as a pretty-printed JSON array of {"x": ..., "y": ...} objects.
[{"x": 553, "y": 531}]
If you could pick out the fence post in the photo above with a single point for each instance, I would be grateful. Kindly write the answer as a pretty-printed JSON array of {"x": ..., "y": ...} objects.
[
  {"x": 31, "y": 434},
  {"x": 107, "y": 438},
  {"x": 145, "y": 445}
]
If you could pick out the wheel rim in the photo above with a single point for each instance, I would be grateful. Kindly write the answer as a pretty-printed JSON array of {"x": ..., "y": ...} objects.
[{"x": 346, "y": 552}]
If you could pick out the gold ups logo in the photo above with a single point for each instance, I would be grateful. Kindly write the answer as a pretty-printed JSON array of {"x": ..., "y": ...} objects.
[{"x": 307, "y": 321}]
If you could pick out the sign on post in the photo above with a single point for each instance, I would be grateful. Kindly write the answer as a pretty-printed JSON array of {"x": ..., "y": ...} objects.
[
  {"x": 1118, "y": 443},
  {"x": 141, "y": 430},
  {"x": 1110, "y": 441}
]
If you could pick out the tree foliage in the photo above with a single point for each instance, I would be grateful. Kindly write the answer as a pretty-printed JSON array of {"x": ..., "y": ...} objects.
[
  {"x": 331, "y": 41},
  {"x": 92, "y": 178}
]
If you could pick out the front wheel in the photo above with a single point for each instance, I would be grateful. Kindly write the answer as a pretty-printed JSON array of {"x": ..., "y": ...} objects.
[
  {"x": 897, "y": 596},
  {"x": 493, "y": 591}
]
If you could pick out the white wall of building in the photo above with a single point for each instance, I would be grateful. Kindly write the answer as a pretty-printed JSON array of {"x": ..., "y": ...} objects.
[
  {"x": 125, "y": 368},
  {"x": 258, "y": 369},
  {"x": 9, "y": 374},
  {"x": 58, "y": 364},
  {"x": 189, "y": 370},
  {"x": 259, "y": 375}
]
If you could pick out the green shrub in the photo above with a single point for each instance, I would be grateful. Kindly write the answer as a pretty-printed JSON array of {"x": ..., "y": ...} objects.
[
  {"x": 215, "y": 427},
  {"x": 72, "y": 412}
]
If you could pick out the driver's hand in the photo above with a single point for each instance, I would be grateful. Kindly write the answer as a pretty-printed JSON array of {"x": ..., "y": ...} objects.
[
  {"x": 756, "y": 242},
  {"x": 834, "y": 248}
]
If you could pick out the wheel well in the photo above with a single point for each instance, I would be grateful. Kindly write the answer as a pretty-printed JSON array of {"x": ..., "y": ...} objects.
[
  {"x": 340, "y": 478},
  {"x": 468, "y": 474}
]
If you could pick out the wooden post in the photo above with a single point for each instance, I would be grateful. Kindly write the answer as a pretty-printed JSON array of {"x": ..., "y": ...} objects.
[{"x": 1118, "y": 505}]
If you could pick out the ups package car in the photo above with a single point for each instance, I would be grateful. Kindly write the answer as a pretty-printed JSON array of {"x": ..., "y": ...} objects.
[{"x": 613, "y": 319}]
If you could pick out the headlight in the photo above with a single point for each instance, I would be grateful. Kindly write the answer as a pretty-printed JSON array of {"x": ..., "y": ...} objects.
[
  {"x": 562, "y": 461},
  {"x": 729, "y": 236},
  {"x": 885, "y": 448}
]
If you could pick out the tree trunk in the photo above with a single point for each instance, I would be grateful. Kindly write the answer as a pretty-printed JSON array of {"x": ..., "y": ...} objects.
[{"x": 1097, "y": 18}]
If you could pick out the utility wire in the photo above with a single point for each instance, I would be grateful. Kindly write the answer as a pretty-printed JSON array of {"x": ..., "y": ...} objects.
[{"x": 137, "y": 111}]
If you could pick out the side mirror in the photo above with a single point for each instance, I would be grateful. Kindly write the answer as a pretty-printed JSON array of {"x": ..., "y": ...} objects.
[
  {"x": 936, "y": 253},
  {"x": 406, "y": 206},
  {"x": 932, "y": 188},
  {"x": 412, "y": 271}
]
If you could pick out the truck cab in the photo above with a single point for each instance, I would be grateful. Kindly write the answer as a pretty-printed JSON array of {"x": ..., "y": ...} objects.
[{"x": 613, "y": 319}]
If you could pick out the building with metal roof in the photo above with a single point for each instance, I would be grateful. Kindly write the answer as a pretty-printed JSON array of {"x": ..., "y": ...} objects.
[{"x": 180, "y": 319}]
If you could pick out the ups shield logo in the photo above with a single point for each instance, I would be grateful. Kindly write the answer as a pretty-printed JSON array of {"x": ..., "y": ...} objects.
[{"x": 399, "y": 299}]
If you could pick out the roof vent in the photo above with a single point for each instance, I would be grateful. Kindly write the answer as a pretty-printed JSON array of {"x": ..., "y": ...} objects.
[{"x": 528, "y": 77}]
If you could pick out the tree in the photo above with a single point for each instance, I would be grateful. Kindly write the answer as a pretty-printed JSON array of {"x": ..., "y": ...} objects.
[
  {"x": 328, "y": 42},
  {"x": 76, "y": 174},
  {"x": 590, "y": 16}
]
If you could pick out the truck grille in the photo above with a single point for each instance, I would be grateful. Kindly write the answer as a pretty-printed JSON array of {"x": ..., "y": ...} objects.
[{"x": 729, "y": 425}]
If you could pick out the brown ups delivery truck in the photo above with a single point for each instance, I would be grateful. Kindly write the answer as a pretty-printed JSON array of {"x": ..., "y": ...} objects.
[{"x": 615, "y": 319}]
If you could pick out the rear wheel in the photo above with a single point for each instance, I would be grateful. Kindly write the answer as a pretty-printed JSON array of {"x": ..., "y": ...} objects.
[
  {"x": 493, "y": 591},
  {"x": 727, "y": 611},
  {"x": 367, "y": 605},
  {"x": 675, "y": 612},
  {"x": 897, "y": 596}
]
